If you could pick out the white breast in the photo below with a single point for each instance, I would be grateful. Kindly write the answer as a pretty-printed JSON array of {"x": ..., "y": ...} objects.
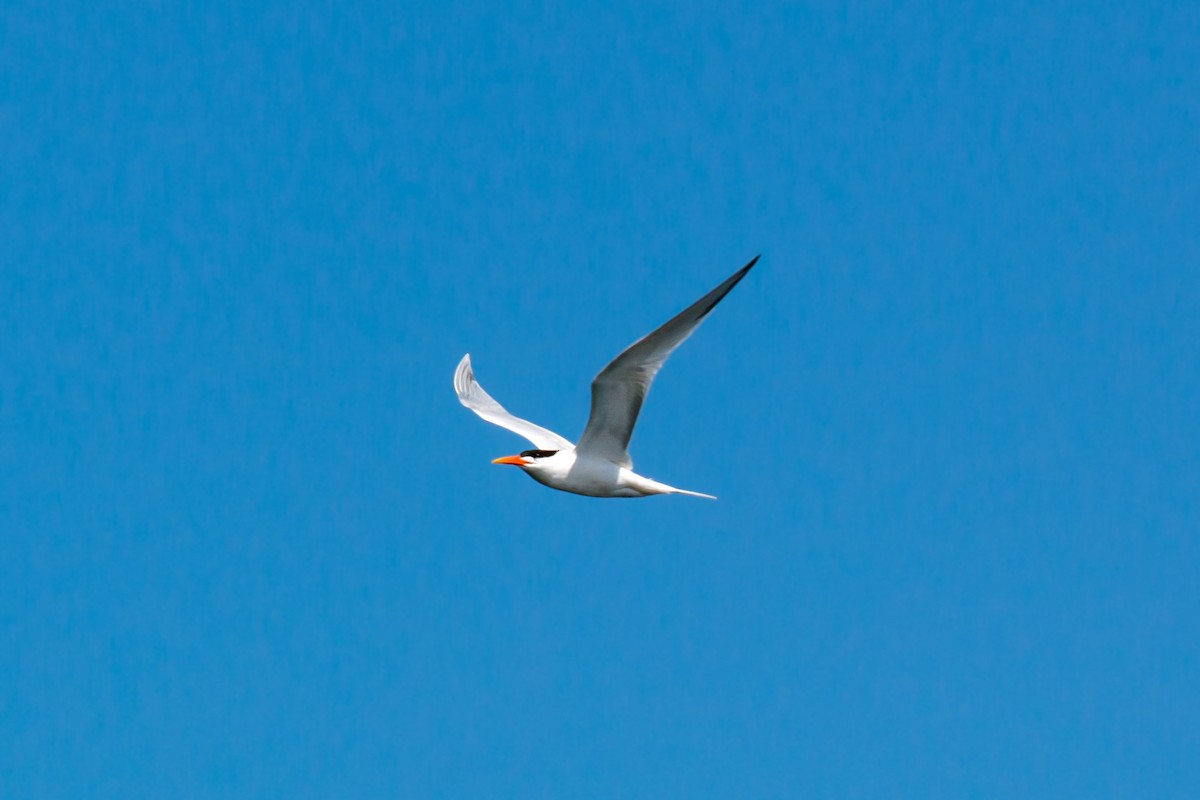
[{"x": 595, "y": 477}]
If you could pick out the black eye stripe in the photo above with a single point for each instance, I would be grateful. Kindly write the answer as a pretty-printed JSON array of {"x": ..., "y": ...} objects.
[{"x": 538, "y": 453}]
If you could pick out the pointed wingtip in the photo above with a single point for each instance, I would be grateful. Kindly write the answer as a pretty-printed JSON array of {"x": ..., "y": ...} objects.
[
  {"x": 741, "y": 273},
  {"x": 746, "y": 268},
  {"x": 464, "y": 366},
  {"x": 463, "y": 375}
]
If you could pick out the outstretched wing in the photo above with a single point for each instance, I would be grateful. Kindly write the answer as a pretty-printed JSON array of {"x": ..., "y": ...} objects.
[
  {"x": 620, "y": 388},
  {"x": 472, "y": 395}
]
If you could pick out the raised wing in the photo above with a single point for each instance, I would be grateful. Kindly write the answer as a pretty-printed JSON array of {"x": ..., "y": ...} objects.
[
  {"x": 621, "y": 387},
  {"x": 472, "y": 395}
]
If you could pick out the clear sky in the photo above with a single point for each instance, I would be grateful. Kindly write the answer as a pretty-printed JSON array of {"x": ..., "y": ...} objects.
[{"x": 251, "y": 545}]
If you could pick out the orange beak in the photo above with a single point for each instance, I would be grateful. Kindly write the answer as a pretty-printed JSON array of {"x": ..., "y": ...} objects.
[{"x": 516, "y": 461}]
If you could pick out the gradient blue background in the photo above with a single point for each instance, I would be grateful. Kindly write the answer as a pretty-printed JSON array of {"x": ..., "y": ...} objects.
[{"x": 251, "y": 545}]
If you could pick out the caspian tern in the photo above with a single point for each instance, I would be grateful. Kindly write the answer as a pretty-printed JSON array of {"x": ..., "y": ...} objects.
[{"x": 599, "y": 466}]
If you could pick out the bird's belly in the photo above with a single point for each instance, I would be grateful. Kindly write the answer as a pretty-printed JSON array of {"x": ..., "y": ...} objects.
[{"x": 592, "y": 479}]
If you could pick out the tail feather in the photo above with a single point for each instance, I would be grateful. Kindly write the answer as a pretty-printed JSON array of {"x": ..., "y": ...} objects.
[
  {"x": 645, "y": 486},
  {"x": 693, "y": 494}
]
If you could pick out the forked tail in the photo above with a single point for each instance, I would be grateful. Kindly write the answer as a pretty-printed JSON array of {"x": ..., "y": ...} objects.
[{"x": 647, "y": 486}]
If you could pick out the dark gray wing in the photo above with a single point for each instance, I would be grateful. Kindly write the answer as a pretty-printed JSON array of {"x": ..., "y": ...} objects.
[{"x": 621, "y": 387}]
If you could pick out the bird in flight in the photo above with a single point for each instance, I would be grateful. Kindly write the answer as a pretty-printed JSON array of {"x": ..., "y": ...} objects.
[{"x": 599, "y": 466}]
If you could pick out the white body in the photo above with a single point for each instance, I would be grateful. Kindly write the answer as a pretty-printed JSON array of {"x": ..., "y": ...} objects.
[
  {"x": 570, "y": 472},
  {"x": 599, "y": 466}
]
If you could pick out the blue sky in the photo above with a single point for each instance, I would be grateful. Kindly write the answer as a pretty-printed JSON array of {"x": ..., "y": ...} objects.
[{"x": 251, "y": 545}]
